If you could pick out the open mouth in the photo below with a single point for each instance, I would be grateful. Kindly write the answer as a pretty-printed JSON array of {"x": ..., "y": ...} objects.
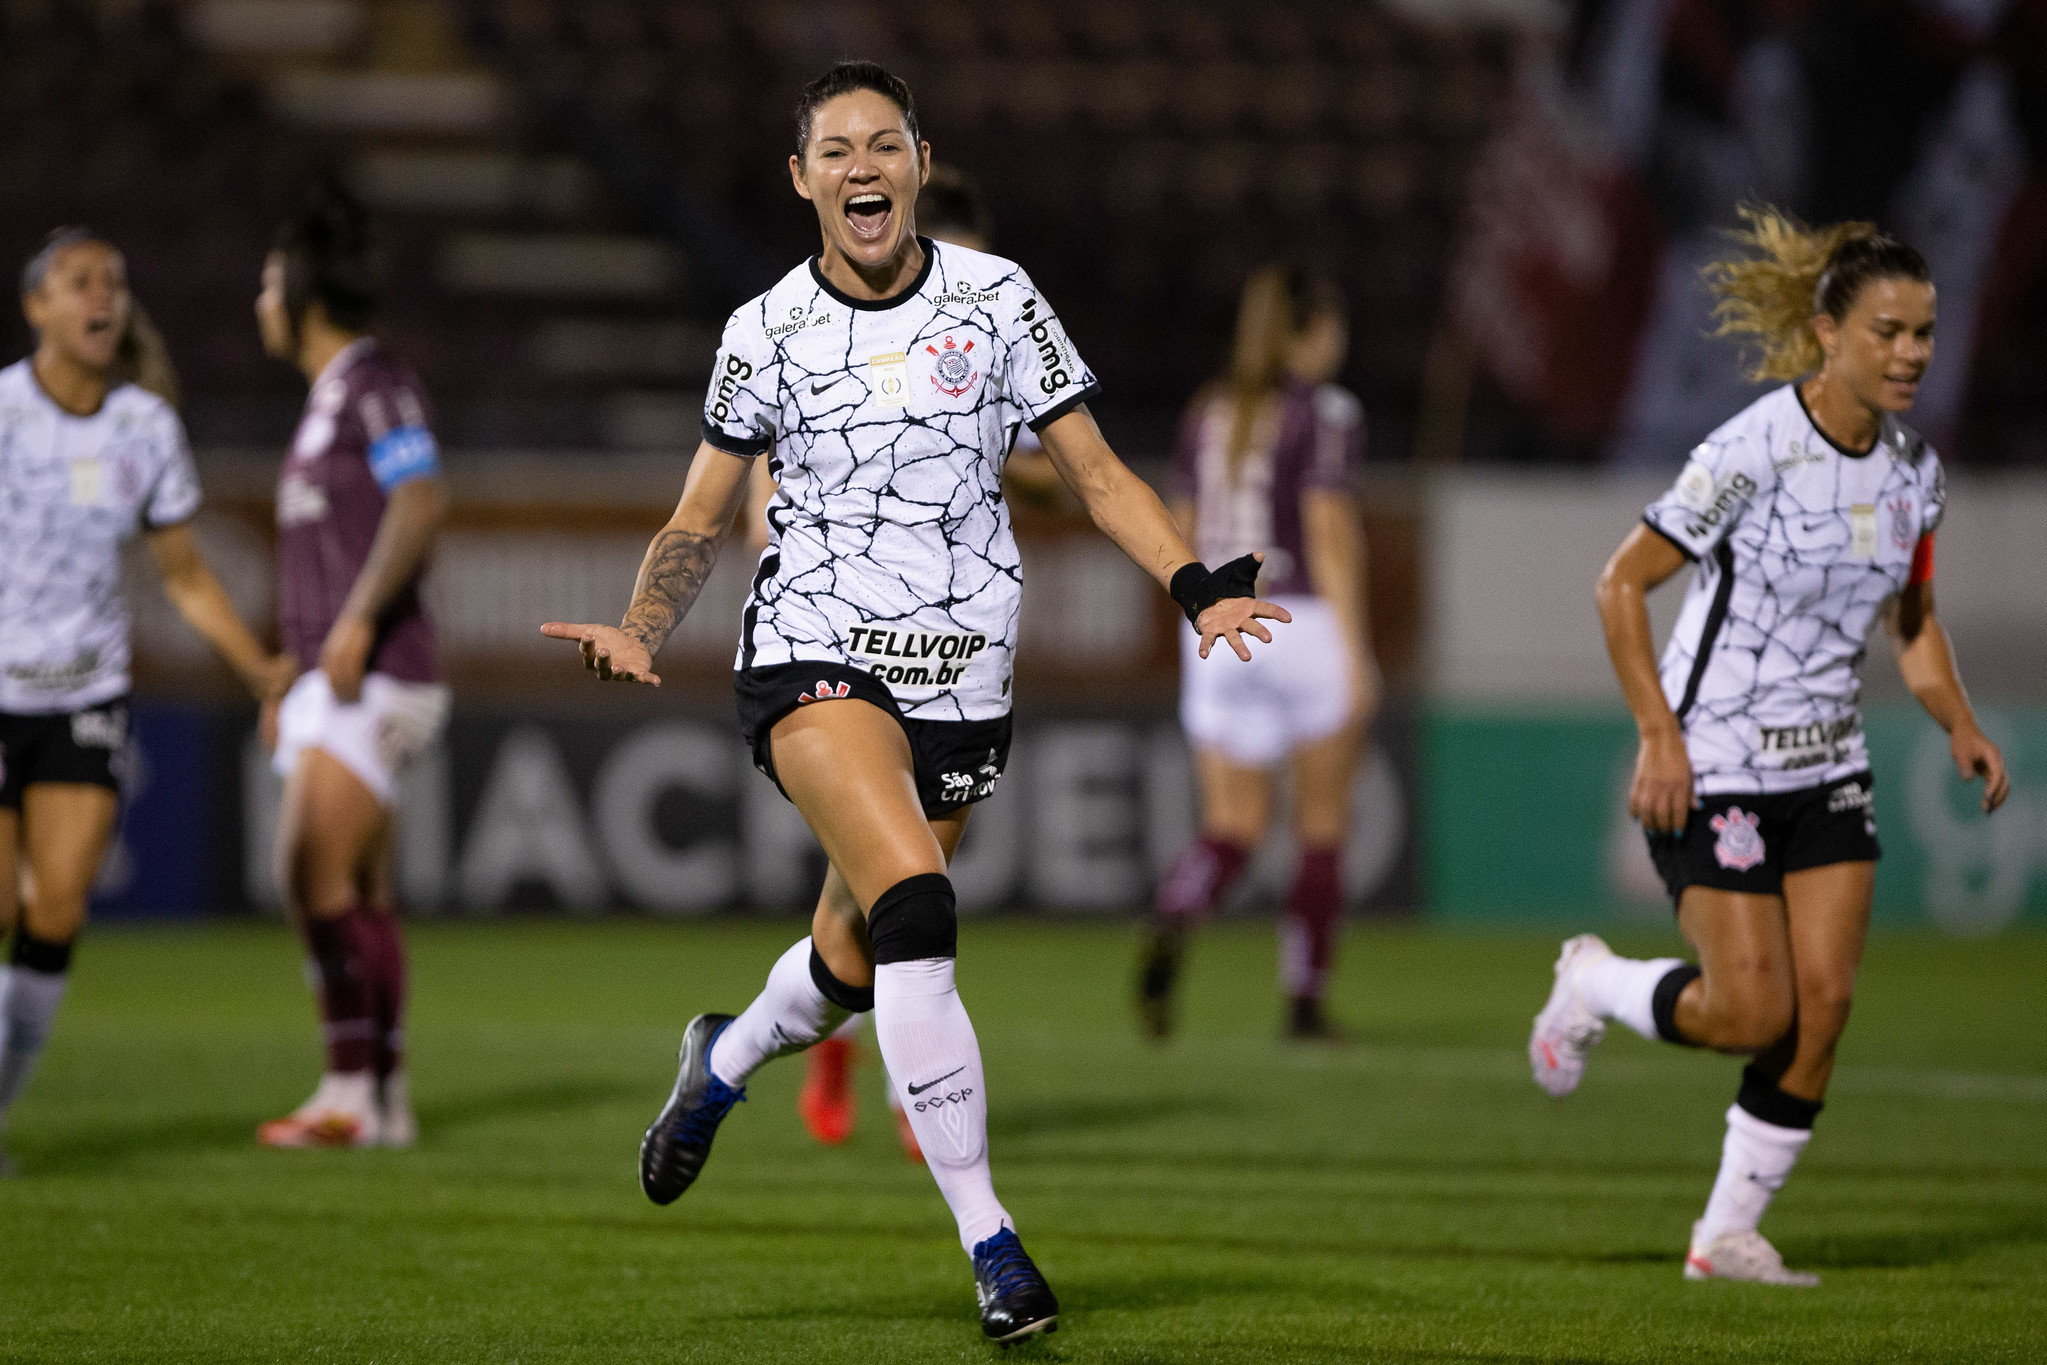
[
  {"x": 98, "y": 326},
  {"x": 869, "y": 215}
]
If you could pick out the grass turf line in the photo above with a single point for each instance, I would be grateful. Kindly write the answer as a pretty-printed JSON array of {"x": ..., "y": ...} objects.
[{"x": 1409, "y": 1197}]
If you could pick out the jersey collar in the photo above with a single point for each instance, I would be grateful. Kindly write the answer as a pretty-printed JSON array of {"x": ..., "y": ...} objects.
[
  {"x": 1882, "y": 429},
  {"x": 344, "y": 359},
  {"x": 915, "y": 287}
]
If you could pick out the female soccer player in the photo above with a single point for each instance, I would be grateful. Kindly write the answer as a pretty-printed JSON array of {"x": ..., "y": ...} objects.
[
  {"x": 86, "y": 461},
  {"x": 358, "y": 502},
  {"x": 1810, "y": 515},
  {"x": 886, "y": 375},
  {"x": 1268, "y": 455}
]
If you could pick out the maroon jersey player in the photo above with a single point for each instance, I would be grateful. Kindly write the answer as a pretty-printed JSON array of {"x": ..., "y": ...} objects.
[
  {"x": 1267, "y": 459},
  {"x": 357, "y": 505}
]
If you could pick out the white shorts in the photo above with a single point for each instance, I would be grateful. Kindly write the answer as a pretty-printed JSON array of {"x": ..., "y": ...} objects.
[
  {"x": 372, "y": 738},
  {"x": 1294, "y": 691}
]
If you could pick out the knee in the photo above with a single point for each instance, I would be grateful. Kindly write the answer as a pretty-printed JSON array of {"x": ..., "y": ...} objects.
[
  {"x": 914, "y": 919},
  {"x": 1823, "y": 1006},
  {"x": 1747, "y": 1014}
]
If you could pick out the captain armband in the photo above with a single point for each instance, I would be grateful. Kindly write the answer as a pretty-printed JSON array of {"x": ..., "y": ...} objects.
[{"x": 403, "y": 454}]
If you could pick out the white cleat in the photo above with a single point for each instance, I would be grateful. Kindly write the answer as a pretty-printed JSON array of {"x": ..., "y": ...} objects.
[
  {"x": 1742, "y": 1256},
  {"x": 1567, "y": 1028},
  {"x": 397, "y": 1125},
  {"x": 341, "y": 1113}
]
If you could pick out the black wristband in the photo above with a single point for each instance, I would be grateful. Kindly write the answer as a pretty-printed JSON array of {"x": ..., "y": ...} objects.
[{"x": 1196, "y": 589}]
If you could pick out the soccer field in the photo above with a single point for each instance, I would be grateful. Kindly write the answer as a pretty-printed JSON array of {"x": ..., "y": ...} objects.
[{"x": 1407, "y": 1197}]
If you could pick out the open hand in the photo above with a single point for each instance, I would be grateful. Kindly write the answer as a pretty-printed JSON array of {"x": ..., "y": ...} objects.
[
  {"x": 345, "y": 655},
  {"x": 1976, "y": 756},
  {"x": 1661, "y": 794},
  {"x": 1235, "y": 617},
  {"x": 608, "y": 652}
]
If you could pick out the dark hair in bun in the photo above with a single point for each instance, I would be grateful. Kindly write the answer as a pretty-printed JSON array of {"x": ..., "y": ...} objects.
[{"x": 328, "y": 254}]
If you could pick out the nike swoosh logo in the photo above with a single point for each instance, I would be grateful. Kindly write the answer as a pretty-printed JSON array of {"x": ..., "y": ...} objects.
[
  {"x": 816, "y": 389},
  {"x": 920, "y": 1089}
]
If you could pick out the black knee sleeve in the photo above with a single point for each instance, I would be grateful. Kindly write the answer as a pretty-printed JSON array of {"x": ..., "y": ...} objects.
[
  {"x": 40, "y": 954},
  {"x": 915, "y": 919},
  {"x": 1760, "y": 1096},
  {"x": 1663, "y": 1002},
  {"x": 858, "y": 999}
]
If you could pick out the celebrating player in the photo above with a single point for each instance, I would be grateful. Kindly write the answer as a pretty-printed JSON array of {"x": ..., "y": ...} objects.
[
  {"x": 883, "y": 379},
  {"x": 1810, "y": 515},
  {"x": 1268, "y": 456},
  {"x": 358, "y": 502},
  {"x": 87, "y": 459}
]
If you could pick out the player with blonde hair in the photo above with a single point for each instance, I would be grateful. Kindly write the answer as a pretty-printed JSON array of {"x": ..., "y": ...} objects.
[{"x": 1810, "y": 516}]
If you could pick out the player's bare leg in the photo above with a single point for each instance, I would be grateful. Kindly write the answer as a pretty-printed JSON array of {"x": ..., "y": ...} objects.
[
  {"x": 63, "y": 829},
  {"x": 330, "y": 828},
  {"x": 1314, "y": 910},
  {"x": 1236, "y": 808}
]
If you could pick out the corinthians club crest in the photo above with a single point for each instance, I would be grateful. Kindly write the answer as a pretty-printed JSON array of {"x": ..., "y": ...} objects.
[
  {"x": 1740, "y": 845},
  {"x": 953, "y": 373}
]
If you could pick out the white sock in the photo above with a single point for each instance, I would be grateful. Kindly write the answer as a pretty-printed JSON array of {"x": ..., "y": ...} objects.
[
  {"x": 1624, "y": 988},
  {"x": 932, "y": 1054},
  {"x": 1755, "y": 1161},
  {"x": 787, "y": 1016},
  {"x": 28, "y": 1005}
]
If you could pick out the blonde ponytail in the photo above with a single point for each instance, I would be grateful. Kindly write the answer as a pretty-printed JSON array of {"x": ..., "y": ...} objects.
[
  {"x": 143, "y": 359},
  {"x": 1770, "y": 294}
]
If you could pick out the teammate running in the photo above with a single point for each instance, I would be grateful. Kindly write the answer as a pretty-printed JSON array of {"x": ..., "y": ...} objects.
[
  {"x": 87, "y": 459},
  {"x": 358, "y": 502},
  {"x": 1268, "y": 455},
  {"x": 884, "y": 379},
  {"x": 1809, "y": 516}
]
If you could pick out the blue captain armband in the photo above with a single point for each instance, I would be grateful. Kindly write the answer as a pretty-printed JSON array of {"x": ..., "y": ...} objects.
[{"x": 403, "y": 454}]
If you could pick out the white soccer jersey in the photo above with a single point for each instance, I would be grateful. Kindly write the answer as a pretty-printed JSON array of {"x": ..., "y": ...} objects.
[
  {"x": 889, "y": 423},
  {"x": 1799, "y": 545},
  {"x": 71, "y": 490}
]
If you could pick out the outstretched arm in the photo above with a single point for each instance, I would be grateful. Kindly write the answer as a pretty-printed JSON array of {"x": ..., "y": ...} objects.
[
  {"x": 1928, "y": 665},
  {"x": 199, "y": 598},
  {"x": 673, "y": 573},
  {"x": 1129, "y": 513}
]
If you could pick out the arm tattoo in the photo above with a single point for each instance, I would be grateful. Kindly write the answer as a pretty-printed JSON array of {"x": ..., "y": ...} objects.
[{"x": 671, "y": 576}]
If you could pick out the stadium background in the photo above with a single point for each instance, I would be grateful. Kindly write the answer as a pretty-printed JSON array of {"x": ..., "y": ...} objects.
[{"x": 1516, "y": 195}]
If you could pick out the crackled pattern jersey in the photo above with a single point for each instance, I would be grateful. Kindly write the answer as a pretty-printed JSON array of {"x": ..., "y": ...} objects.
[
  {"x": 1799, "y": 545},
  {"x": 72, "y": 489},
  {"x": 888, "y": 424},
  {"x": 1313, "y": 439}
]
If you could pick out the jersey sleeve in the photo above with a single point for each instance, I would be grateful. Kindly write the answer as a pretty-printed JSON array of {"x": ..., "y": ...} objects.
[
  {"x": 739, "y": 417},
  {"x": 174, "y": 493},
  {"x": 1047, "y": 378},
  {"x": 1339, "y": 441},
  {"x": 398, "y": 433},
  {"x": 1718, "y": 483},
  {"x": 1933, "y": 508}
]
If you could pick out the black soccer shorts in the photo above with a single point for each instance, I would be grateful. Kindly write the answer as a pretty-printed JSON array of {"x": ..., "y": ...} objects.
[
  {"x": 1747, "y": 842},
  {"x": 66, "y": 746},
  {"x": 956, "y": 762}
]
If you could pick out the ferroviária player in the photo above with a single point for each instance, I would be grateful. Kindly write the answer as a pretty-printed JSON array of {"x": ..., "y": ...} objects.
[
  {"x": 1810, "y": 515},
  {"x": 885, "y": 379}
]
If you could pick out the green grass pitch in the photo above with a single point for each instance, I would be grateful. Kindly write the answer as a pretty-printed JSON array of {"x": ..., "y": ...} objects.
[{"x": 1408, "y": 1197}]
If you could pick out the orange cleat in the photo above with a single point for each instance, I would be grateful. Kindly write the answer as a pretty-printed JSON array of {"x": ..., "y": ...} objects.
[
  {"x": 826, "y": 1102},
  {"x": 911, "y": 1149},
  {"x": 341, "y": 1113}
]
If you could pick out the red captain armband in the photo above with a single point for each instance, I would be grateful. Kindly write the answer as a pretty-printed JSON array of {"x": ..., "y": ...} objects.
[{"x": 1922, "y": 562}]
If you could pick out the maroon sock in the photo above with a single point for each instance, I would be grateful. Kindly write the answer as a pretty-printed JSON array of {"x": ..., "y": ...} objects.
[
  {"x": 1199, "y": 878},
  {"x": 345, "y": 992},
  {"x": 1308, "y": 937},
  {"x": 383, "y": 950}
]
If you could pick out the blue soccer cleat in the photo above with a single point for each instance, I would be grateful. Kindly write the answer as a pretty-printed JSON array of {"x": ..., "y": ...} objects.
[
  {"x": 679, "y": 1140},
  {"x": 1015, "y": 1300}
]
